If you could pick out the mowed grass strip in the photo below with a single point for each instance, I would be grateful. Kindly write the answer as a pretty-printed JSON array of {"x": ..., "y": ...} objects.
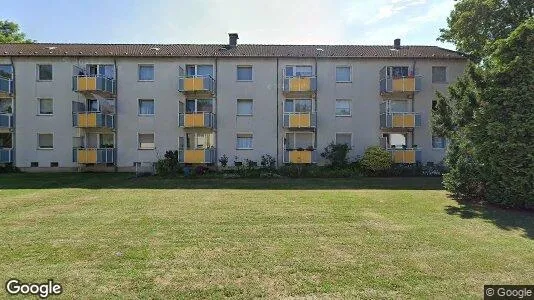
[{"x": 111, "y": 235}]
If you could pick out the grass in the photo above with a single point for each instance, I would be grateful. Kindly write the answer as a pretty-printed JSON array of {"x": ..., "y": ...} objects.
[{"x": 108, "y": 235}]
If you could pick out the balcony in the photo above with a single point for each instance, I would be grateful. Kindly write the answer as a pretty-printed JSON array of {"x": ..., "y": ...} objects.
[
  {"x": 300, "y": 120},
  {"x": 6, "y": 121},
  {"x": 405, "y": 156},
  {"x": 197, "y": 156},
  {"x": 93, "y": 120},
  {"x": 400, "y": 120},
  {"x": 94, "y": 84},
  {"x": 197, "y": 120},
  {"x": 196, "y": 84},
  {"x": 300, "y": 84},
  {"x": 6, "y": 87},
  {"x": 94, "y": 155},
  {"x": 7, "y": 155},
  {"x": 300, "y": 156},
  {"x": 400, "y": 85}
]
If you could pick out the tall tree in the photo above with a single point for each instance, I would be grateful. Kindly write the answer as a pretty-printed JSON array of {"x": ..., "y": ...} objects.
[
  {"x": 10, "y": 33},
  {"x": 488, "y": 115},
  {"x": 475, "y": 25}
]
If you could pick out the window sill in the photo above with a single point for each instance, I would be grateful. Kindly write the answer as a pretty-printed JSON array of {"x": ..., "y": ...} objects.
[
  {"x": 344, "y": 116},
  {"x": 244, "y": 148},
  {"x": 245, "y": 115},
  {"x": 148, "y": 115},
  {"x": 246, "y": 80},
  {"x": 146, "y": 148},
  {"x": 39, "y": 80},
  {"x": 344, "y": 81},
  {"x": 45, "y": 115},
  {"x": 45, "y": 148},
  {"x": 139, "y": 80}
]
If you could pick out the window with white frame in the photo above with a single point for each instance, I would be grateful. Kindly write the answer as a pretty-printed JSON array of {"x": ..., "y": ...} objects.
[
  {"x": 199, "y": 70},
  {"x": 298, "y": 105},
  {"x": 92, "y": 105},
  {"x": 343, "y": 74},
  {"x": 145, "y": 140},
  {"x": 438, "y": 142},
  {"x": 439, "y": 74},
  {"x": 198, "y": 105},
  {"x": 344, "y": 138},
  {"x": 146, "y": 73},
  {"x": 299, "y": 141},
  {"x": 6, "y": 71},
  {"x": 299, "y": 71},
  {"x": 244, "y": 107},
  {"x": 46, "y": 106},
  {"x": 195, "y": 140},
  {"x": 244, "y": 141},
  {"x": 44, "y": 72},
  {"x": 343, "y": 107},
  {"x": 6, "y": 106},
  {"x": 45, "y": 140},
  {"x": 146, "y": 107},
  {"x": 106, "y": 140},
  {"x": 244, "y": 73}
]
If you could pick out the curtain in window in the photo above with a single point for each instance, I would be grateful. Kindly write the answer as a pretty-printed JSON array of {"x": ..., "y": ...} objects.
[
  {"x": 146, "y": 140},
  {"x": 5, "y": 106},
  {"x": 342, "y": 74},
  {"x": 342, "y": 107},
  {"x": 46, "y": 141},
  {"x": 204, "y": 105},
  {"x": 146, "y": 72},
  {"x": 244, "y": 107},
  {"x": 45, "y": 106},
  {"x": 205, "y": 70},
  {"x": 146, "y": 107},
  {"x": 303, "y": 105},
  {"x": 244, "y": 141},
  {"x": 244, "y": 73},
  {"x": 343, "y": 138}
]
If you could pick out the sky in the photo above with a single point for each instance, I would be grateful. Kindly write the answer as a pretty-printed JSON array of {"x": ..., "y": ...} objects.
[{"x": 366, "y": 22}]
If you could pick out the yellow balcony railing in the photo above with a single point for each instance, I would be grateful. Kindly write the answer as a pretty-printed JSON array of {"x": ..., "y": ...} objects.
[
  {"x": 197, "y": 156},
  {"x": 400, "y": 120},
  {"x": 400, "y": 84},
  {"x": 196, "y": 84},
  {"x": 299, "y": 84},
  {"x": 94, "y": 155},
  {"x": 300, "y": 156},
  {"x": 196, "y": 120},
  {"x": 300, "y": 120},
  {"x": 94, "y": 84},
  {"x": 93, "y": 120},
  {"x": 405, "y": 156}
]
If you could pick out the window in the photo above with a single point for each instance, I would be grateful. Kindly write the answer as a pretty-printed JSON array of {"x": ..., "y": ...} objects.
[
  {"x": 44, "y": 72},
  {"x": 298, "y": 105},
  {"x": 343, "y": 108},
  {"x": 106, "y": 140},
  {"x": 46, "y": 140},
  {"x": 244, "y": 73},
  {"x": 34, "y": 164},
  {"x": 344, "y": 138},
  {"x": 244, "y": 107},
  {"x": 146, "y": 140},
  {"x": 299, "y": 141},
  {"x": 439, "y": 74},
  {"x": 439, "y": 142},
  {"x": 146, "y": 107},
  {"x": 302, "y": 71},
  {"x": 107, "y": 71},
  {"x": 244, "y": 141},
  {"x": 198, "y": 105},
  {"x": 6, "y": 71},
  {"x": 92, "y": 105},
  {"x": 197, "y": 141},
  {"x": 6, "y": 106},
  {"x": 6, "y": 140},
  {"x": 54, "y": 164},
  {"x": 146, "y": 72},
  {"x": 397, "y": 72},
  {"x": 199, "y": 70},
  {"x": 343, "y": 74},
  {"x": 46, "y": 106}
]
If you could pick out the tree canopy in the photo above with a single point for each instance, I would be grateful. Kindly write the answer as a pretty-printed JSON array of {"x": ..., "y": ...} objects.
[
  {"x": 10, "y": 33},
  {"x": 488, "y": 114}
]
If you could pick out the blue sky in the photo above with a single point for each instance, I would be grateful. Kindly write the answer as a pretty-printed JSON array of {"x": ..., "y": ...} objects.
[{"x": 372, "y": 22}]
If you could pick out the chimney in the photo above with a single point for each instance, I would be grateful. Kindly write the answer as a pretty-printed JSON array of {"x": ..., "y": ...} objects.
[
  {"x": 397, "y": 44},
  {"x": 232, "y": 39}
]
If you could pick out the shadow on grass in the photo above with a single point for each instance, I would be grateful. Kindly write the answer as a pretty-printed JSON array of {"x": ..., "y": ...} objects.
[
  {"x": 128, "y": 180},
  {"x": 506, "y": 219}
]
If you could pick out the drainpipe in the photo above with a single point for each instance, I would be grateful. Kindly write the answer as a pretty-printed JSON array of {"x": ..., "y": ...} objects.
[
  {"x": 413, "y": 100},
  {"x": 14, "y": 110},
  {"x": 115, "y": 118},
  {"x": 277, "y": 115},
  {"x": 216, "y": 111},
  {"x": 315, "y": 100}
]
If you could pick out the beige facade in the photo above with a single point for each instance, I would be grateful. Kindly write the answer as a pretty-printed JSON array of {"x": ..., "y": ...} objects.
[{"x": 265, "y": 123}]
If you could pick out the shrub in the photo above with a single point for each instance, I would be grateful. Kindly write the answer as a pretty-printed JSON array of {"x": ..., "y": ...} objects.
[
  {"x": 201, "y": 170},
  {"x": 223, "y": 160},
  {"x": 267, "y": 162},
  {"x": 250, "y": 164},
  {"x": 169, "y": 165},
  {"x": 9, "y": 168},
  {"x": 336, "y": 154},
  {"x": 376, "y": 161}
]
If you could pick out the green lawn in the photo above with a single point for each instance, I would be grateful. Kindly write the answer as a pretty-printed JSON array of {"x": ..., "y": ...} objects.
[{"x": 109, "y": 235}]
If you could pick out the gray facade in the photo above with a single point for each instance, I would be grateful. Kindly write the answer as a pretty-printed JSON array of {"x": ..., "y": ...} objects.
[{"x": 266, "y": 124}]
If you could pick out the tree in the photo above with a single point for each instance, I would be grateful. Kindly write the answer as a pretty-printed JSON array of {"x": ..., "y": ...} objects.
[
  {"x": 10, "y": 33},
  {"x": 475, "y": 25},
  {"x": 488, "y": 115}
]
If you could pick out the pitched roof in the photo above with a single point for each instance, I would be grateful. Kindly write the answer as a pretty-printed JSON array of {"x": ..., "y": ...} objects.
[{"x": 220, "y": 50}]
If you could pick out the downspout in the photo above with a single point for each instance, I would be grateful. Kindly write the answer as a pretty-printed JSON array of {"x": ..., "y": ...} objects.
[
  {"x": 116, "y": 117},
  {"x": 216, "y": 110},
  {"x": 316, "y": 116},
  {"x": 413, "y": 100},
  {"x": 277, "y": 114},
  {"x": 14, "y": 112}
]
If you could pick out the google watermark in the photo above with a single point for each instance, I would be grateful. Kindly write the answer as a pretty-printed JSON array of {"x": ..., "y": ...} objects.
[
  {"x": 509, "y": 292},
  {"x": 43, "y": 290}
]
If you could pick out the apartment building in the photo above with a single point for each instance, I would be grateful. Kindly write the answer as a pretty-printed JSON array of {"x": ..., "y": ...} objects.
[{"x": 112, "y": 107}]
